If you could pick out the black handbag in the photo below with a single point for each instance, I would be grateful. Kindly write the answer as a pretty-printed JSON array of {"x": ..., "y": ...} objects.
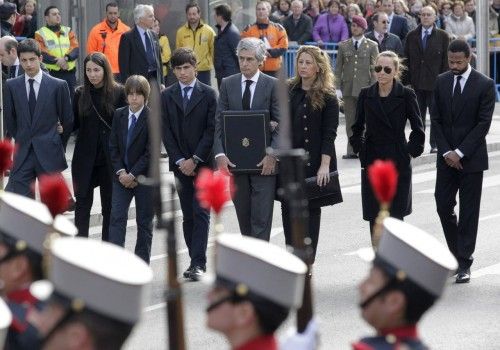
[{"x": 313, "y": 191}]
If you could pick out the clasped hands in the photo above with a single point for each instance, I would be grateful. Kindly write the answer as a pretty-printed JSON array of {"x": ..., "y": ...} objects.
[
  {"x": 453, "y": 160},
  {"x": 127, "y": 179},
  {"x": 187, "y": 167},
  {"x": 268, "y": 164}
]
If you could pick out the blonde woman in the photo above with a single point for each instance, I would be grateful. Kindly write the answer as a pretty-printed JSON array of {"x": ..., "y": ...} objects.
[
  {"x": 379, "y": 133},
  {"x": 315, "y": 117}
]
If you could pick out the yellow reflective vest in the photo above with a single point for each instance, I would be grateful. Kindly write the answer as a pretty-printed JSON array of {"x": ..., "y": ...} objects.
[{"x": 57, "y": 45}]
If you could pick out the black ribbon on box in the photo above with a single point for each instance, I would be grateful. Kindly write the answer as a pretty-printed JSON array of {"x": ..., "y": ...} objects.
[{"x": 247, "y": 134}]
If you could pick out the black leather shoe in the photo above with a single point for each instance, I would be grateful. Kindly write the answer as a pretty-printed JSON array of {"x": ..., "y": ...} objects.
[
  {"x": 434, "y": 150},
  {"x": 349, "y": 156},
  {"x": 187, "y": 272},
  {"x": 196, "y": 273},
  {"x": 463, "y": 276}
]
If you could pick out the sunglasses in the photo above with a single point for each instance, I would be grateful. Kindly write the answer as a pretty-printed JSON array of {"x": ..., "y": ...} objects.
[{"x": 387, "y": 70}]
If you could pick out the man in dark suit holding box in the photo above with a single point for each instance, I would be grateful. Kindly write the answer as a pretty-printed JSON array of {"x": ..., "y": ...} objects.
[
  {"x": 250, "y": 90},
  {"x": 464, "y": 101},
  {"x": 188, "y": 109}
]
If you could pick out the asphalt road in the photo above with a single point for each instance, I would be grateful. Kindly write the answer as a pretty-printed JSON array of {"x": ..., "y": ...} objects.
[{"x": 467, "y": 317}]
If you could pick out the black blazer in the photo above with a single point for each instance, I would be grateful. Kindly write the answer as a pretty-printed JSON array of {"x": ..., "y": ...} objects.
[
  {"x": 93, "y": 137},
  {"x": 379, "y": 133},
  {"x": 138, "y": 152},
  {"x": 189, "y": 133},
  {"x": 132, "y": 56},
  {"x": 399, "y": 27},
  {"x": 468, "y": 127},
  {"x": 301, "y": 32},
  {"x": 425, "y": 65}
]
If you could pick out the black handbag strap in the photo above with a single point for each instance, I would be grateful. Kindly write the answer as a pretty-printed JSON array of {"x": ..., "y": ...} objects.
[{"x": 99, "y": 115}]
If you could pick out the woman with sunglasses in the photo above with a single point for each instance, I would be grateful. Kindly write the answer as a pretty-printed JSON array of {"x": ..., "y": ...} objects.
[
  {"x": 379, "y": 133},
  {"x": 94, "y": 105},
  {"x": 315, "y": 117}
]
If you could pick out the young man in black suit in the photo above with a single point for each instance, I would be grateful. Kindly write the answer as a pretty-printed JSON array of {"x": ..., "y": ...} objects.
[
  {"x": 460, "y": 134},
  {"x": 129, "y": 151},
  {"x": 189, "y": 123}
]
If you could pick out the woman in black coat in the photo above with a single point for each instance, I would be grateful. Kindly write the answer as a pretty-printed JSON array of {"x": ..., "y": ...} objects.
[
  {"x": 315, "y": 117},
  {"x": 94, "y": 105},
  {"x": 379, "y": 133}
]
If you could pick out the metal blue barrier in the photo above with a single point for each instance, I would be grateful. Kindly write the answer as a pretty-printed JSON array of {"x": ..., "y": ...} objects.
[{"x": 331, "y": 50}]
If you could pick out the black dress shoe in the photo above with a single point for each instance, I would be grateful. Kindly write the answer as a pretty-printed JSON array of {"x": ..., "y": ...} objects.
[
  {"x": 434, "y": 150},
  {"x": 187, "y": 272},
  {"x": 197, "y": 272},
  {"x": 349, "y": 156},
  {"x": 463, "y": 276}
]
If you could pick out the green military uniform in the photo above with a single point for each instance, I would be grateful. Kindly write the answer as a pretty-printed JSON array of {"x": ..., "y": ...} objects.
[{"x": 353, "y": 71}]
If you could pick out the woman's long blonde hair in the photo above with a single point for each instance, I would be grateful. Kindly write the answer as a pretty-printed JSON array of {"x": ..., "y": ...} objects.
[{"x": 325, "y": 80}]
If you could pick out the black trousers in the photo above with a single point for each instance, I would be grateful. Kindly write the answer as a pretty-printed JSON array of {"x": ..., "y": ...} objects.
[
  {"x": 195, "y": 219},
  {"x": 313, "y": 226},
  {"x": 424, "y": 100},
  {"x": 100, "y": 177},
  {"x": 460, "y": 234}
]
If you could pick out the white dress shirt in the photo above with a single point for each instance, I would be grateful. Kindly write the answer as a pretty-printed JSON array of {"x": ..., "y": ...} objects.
[
  {"x": 190, "y": 91},
  {"x": 463, "y": 80},
  {"x": 141, "y": 34},
  {"x": 428, "y": 30},
  {"x": 36, "y": 83},
  {"x": 137, "y": 114},
  {"x": 16, "y": 67},
  {"x": 359, "y": 41}
]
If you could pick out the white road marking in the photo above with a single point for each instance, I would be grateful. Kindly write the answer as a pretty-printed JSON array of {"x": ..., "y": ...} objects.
[{"x": 488, "y": 270}]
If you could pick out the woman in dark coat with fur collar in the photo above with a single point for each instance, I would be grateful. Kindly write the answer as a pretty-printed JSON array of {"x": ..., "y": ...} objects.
[{"x": 379, "y": 133}]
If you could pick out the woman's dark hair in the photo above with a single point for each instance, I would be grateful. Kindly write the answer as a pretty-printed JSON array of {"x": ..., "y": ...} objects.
[
  {"x": 109, "y": 87},
  {"x": 459, "y": 45}
]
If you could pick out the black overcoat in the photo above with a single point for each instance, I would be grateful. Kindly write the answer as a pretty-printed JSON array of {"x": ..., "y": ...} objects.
[
  {"x": 93, "y": 135},
  {"x": 380, "y": 134},
  {"x": 315, "y": 131}
]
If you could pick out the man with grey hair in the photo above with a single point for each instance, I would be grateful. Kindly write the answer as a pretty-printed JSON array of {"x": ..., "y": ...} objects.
[
  {"x": 250, "y": 90},
  {"x": 139, "y": 49}
]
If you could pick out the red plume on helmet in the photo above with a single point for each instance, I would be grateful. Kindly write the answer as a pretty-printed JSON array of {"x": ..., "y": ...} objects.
[
  {"x": 383, "y": 177},
  {"x": 54, "y": 193},
  {"x": 6, "y": 153},
  {"x": 212, "y": 189}
]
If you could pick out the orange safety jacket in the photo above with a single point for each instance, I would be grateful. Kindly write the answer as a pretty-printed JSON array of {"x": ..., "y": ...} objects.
[
  {"x": 276, "y": 37},
  {"x": 106, "y": 40}
]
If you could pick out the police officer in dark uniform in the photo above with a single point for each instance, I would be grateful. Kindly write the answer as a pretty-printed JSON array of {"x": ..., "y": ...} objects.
[{"x": 24, "y": 226}]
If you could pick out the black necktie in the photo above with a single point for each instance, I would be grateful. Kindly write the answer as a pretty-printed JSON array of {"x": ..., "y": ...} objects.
[
  {"x": 13, "y": 71},
  {"x": 425, "y": 38},
  {"x": 356, "y": 45},
  {"x": 185, "y": 98},
  {"x": 457, "y": 91},
  {"x": 32, "y": 98},
  {"x": 247, "y": 95},
  {"x": 149, "y": 52}
]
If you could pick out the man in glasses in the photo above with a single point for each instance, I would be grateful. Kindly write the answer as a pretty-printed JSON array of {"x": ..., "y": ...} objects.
[
  {"x": 386, "y": 41},
  {"x": 426, "y": 55}
]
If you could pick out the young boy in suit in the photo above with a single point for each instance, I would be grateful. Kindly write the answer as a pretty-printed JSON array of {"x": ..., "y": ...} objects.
[{"x": 129, "y": 150}]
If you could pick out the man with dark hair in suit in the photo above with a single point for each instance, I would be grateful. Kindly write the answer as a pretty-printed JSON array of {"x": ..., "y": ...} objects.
[
  {"x": 426, "y": 52},
  {"x": 228, "y": 37},
  {"x": 247, "y": 90},
  {"x": 464, "y": 101},
  {"x": 38, "y": 115},
  {"x": 139, "y": 49},
  {"x": 188, "y": 123},
  {"x": 129, "y": 152}
]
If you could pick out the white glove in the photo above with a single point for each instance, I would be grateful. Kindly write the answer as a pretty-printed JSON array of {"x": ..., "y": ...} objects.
[
  {"x": 308, "y": 340},
  {"x": 339, "y": 93}
]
